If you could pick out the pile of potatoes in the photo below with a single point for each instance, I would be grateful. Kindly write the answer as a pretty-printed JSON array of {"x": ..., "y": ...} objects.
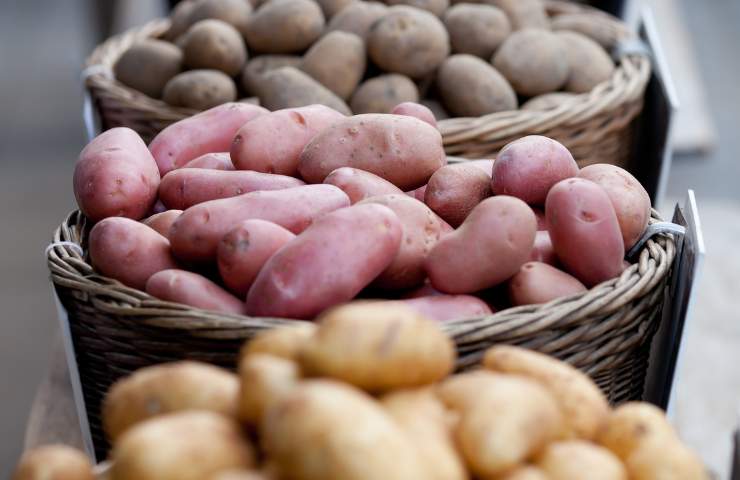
[
  {"x": 462, "y": 60},
  {"x": 367, "y": 394},
  {"x": 287, "y": 213}
]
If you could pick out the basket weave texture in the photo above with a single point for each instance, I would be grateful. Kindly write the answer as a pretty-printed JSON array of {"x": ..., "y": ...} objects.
[{"x": 596, "y": 126}]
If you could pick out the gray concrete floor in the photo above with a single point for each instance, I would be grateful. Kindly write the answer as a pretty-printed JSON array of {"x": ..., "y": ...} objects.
[{"x": 42, "y": 46}]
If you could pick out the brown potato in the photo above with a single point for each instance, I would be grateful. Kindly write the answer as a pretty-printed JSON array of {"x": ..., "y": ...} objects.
[
  {"x": 357, "y": 18},
  {"x": 167, "y": 388},
  {"x": 53, "y": 462},
  {"x": 265, "y": 379},
  {"x": 436, "y": 107},
  {"x": 409, "y": 41},
  {"x": 359, "y": 184},
  {"x": 161, "y": 222},
  {"x": 161, "y": 60},
  {"x": 547, "y": 101},
  {"x": 337, "y": 61},
  {"x": 588, "y": 62},
  {"x": 214, "y": 45},
  {"x": 252, "y": 77},
  {"x": 285, "y": 341},
  {"x": 189, "y": 288},
  {"x": 179, "y": 19},
  {"x": 477, "y": 29},
  {"x": 533, "y": 61},
  {"x": 284, "y": 26},
  {"x": 437, "y": 7},
  {"x": 538, "y": 282},
  {"x": 288, "y": 87},
  {"x": 332, "y": 7},
  {"x": 378, "y": 347},
  {"x": 233, "y": 12},
  {"x": 381, "y": 94},
  {"x": 200, "y": 89},
  {"x": 454, "y": 190},
  {"x": 417, "y": 110},
  {"x": 583, "y": 23},
  {"x": 470, "y": 87},
  {"x": 579, "y": 460},
  {"x": 524, "y": 13}
]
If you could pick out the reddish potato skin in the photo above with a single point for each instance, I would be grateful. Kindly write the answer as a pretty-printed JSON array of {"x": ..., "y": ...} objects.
[
  {"x": 189, "y": 288},
  {"x": 273, "y": 143},
  {"x": 418, "y": 193},
  {"x": 328, "y": 264},
  {"x": 417, "y": 110},
  {"x": 630, "y": 200},
  {"x": 129, "y": 251},
  {"x": 245, "y": 250},
  {"x": 359, "y": 184},
  {"x": 195, "y": 235},
  {"x": 212, "y": 161},
  {"x": 116, "y": 176},
  {"x": 541, "y": 220},
  {"x": 445, "y": 308},
  {"x": 485, "y": 165},
  {"x": 542, "y": 250},
  {"x": 454, "y": 190},
  {"x": 426, "y": 290},
  {"x": 489, "y": 247},
  {"x": 403, "y": 150},
  {"x": 584, "y": 230},
  {"x": 210, "y": 131},
  {"x": 527, "y": 168},
  {"x": 162, "y": 222},
  {"x": 186, "y": 187},
  {"x": 539, "y": 282}
]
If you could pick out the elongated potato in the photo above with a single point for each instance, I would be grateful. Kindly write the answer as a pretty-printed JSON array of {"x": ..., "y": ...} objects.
[
  {"x": 337, "y": 61},
  {"x": 445, "y": 308},
  {"x": 378, "y": 347},
  {"x": 285, "y": 341},
  {"x": 357, "y": 18},
  {"x": 584, "y": 230},
  {"x": 454, "y": 190},
  {"x": 129, "y": 251},
  {"x": 185, "y": 187},
  {"x": 324, "y": 429},
  {"x": 206, "y": 132},
  {"x": 213, "y": 161},
  {"x": 245, "y": 249},
  {"x": 162, "y": 222},
  {"x": 584, "y": 406},
  {"x": 115, "y": 176},
  {"x": 413, "y": 109},
  {"x": 542, "y": 250},
  {"x": 580, "y": 460},
  {"x": 161, "y": 60},
  {"x": 359, "y": 184},
  {"x": 490, "y": 246},
  {"x": 53, "y": 462},
  {"x": 288, "y": 87},
  {"x": 471, "y": 87},
  {"x": 403, "y": 150},
  {"x": 346, "y": 248},
  {"x": 273, "y": 143},
  {"x": 538, "y": 282},
  {"x": 167, "y": 388},
  {"x": 195, "y": 235},
  {"x": 300, "y": 23},
  {"x": 189, "y": 288},
  {"x": 462, "y": 391},
  {"x": 265, "y": 379}
]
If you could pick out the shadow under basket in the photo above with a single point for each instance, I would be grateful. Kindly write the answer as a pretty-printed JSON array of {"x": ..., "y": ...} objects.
[
  {"x": 606, "y": 331},
  {"x": 597, "y": 127}
]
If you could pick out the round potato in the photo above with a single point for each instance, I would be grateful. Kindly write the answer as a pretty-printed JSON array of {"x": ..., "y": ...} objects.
[
  {"x": 189, "y": 288},
  {"x": 285, "y": 341},
  {"x": 533, "y": 61},
  {"x": 454, "y": 191},
  {"x": 437, "y": 7},
  {"x": 288, "y": 87},
  {"x": 470, "y": 87},
  {"x": 359, "y": 184},
  {"x": 383, "y": 93},
  {"x": 408, "y": 41},
  {"x": 161, "y": 60},
  {"x": 161, "y": 222},
  {"x": 53, "y": 462},
  {"x": 588, "y": 62},
  {"x": 548, "y": 101},
  {"x": 214, "y": 45},
  {"x": 265, "y": 379},
  {"x": 357, "y": 18},
  {"x": 200, "y": 89},
  {"x": 299, "y": 23},
  {"x": 540, "y": 283},
  {"x": 524, "y": 13},
  {"x": 632, "y": 424},
  {"x": 477, "y": 29},
  {"x": 233, "y": 12},
  {"x": 332, "y": 7},
  {"x": 253, "y": 74},
  {"x": 337, "y": 61},
  {"x": 417, "y": 110},
  {"x": 579, "y": 460},
  {"x": 378, "y": 347}
]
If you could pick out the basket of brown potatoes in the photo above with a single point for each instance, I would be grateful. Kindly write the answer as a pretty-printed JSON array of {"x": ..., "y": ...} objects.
[
  {"x": 492, "y": 72},
  {"x": 368, "y": 393},
  {"x": 238, "y": 219}
]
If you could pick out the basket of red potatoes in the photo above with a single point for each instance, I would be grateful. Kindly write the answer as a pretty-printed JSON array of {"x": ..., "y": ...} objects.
[
  {"x": 368, "y": 393},
  {"x": 238, "y": 219},
  {"x": 492, "y": 71}
]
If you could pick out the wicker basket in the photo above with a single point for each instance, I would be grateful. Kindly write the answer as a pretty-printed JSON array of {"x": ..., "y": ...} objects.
[{"x": 596, "y": 127}]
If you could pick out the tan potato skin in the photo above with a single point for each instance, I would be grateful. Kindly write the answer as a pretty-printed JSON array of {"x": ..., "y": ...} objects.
[
  {"x": 285, "y": 341},
  {"x": 403, "y": 150},
  {"x": 214, "y": 44},
  {"x": 288, "y": 87},
  {"x": 539, "y": 282},
  {"x": 161, "y": 60},
  {"x": 383, "y": 93},
  {"x": 580, "y": 460},
  {"x": 54, "y": 462},
  {"x": 213, "y": 161},
  {"x": 332, "y": 7},
  {"x": 265, "y": 379},
  {"x": 477, "y": 29},
  {"x": 589, "y": 63},
  {"x": 195, "y": 235},
  {"x": 185, "y": 187},
  {"x": 168, "y": 388},
  {"x": 200, "y": 89},
  {"x": 436, "y": 107},
  {"x": 300, "y": 23},
  {"x": 241, "y": 475},
  {"x": 357, "y": 18},
  {"x": 359, "y": 184},
  {"x": 659, "y": 460},
  {"x": 233, "y": 12},
  {"x": 436, "y": 7},
  {"x": 129, "y": 251},
  {"x": 497, "y": 238},
  {"x": 115, "y": 176},
  {"x": 337, "y": 61},
  {"x": 181, "y": 286},
  {"x": 583, "y": 23},
  {"x": 413, "y": 109},
  {"x": 378, "y": 346},
  {"x": 525, "y": 473},
  {"x": 547, "y": 101},
  {"x": 445, "y": 308},
  {"x": 454, "y": 190},
  {"x": 471, "y": 87},
  {"x": 253, "y": 74},
  {"x": 180, "y": 19},
  {"x": 162, "y": 222},
  {"x": 524, "y": 13}
]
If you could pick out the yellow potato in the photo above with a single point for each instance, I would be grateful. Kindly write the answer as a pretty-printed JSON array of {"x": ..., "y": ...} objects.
[
  {"x": 285, "y": 341},
  {"x": 240, "y": 475},
  {"x": 53, "y": 462},
  {"x": 459, "y": 392},
  {"x": 661, "y": 460},
  {"x": 583, "y": 404},
  {"x": 524, "y": 473},
  {"x": 580, "y": 460},
  {"x": 264, "y": 380}
]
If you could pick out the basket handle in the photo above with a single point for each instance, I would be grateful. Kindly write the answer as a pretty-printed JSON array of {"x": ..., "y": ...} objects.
[{"x": 656, "y": 228}]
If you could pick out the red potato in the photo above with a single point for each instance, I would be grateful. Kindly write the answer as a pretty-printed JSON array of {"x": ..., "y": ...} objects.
[
  {"x": 273, "y": 143},
  {"x": 244, "y": 251},
  {"x": 541, "y": 220},
  {"x": 359, "y": 184},
  {"x": 403, "y": 150},
  {"x": 116, "y": 176},
  {"x": 206, "y": 132},
  {"x": 584, "y": 230},
  {"x": 422, "y": 228},
  {"x": 445, "y": 308},
  {"x": 527, "y": 168},
  {"x": 328, "y": 264},
  {"x": 418, "y": 193},
  {"x": 426, "y": 290},
  {"x": 542, "y": 250},
  {"x": 129, "y": 251},
  {"x": 454, "y": 190},
  {"x": 539, "y": 282},
  {"x": 162, "y": 222},
  {"x": 189, "y": 288},
  {"x": 157, "y": 208},
  {"x": 212, "y": 161},
  {"x": 489, "y": 247},
  {"x": 195, "y": 235},
  {"x": 186, "y": 187},
  {"x": 630, "y": 200},
  {"x": 417, "y": 110},
  {"x": 485, "y": 165}
]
